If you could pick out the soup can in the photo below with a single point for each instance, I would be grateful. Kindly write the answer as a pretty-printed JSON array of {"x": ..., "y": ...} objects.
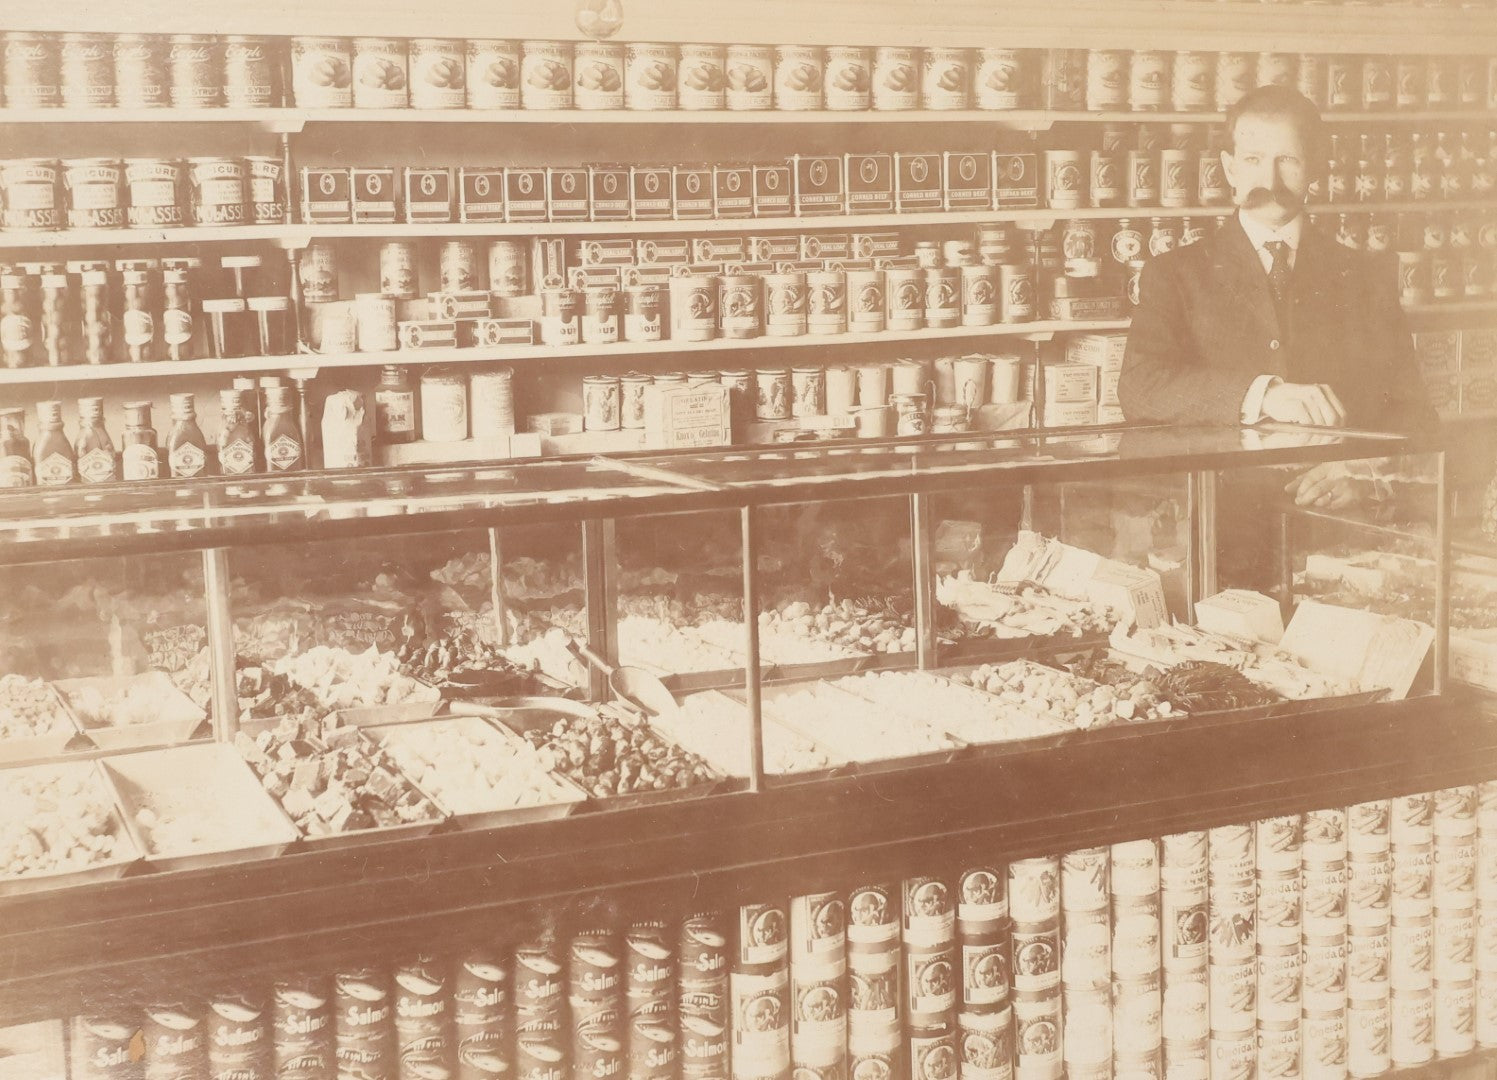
[
  {"x": 643, "y": 314},
  {"x": 87, "y": 67},
  {"x": 381, "y": 73},
  {"x": 600, "y": 314},
  {"x": 946, "y": 79},
  {"x": 32, "y": 198},
  {"x": 866, "y": 310},
  {"x": 1193, "y": 81},
  {"x": 999, "y": 82},
  {"x": 1107, "y": 80},
  {"x": 896, "y": 78},
  {"x": 438, "y": 73},
  {"x": 772, "y": 394},
  {"x": 1064, "y": 185},
  {"x": 32, "y": 70},
  {"x": 650, "y": 70},
  {"x": 599, "y": 67},
  {"x": 217, "y": 190},
  {"x": 196, "y": 66},
  {"x": 798, "y": 77},
  {"x": 95, "y": 194},
  {"x": 749, "y": 74},
  {"x": 827, "y": 302},
  {"x": 701, "y": 77},
  {"x": 249, "y": 72},
  {"x": 141, "y": 80},
  {"x": 786, "y": 303},
  {"x": 561, "y": 316},
  {"x": 493, "y": 79},
  {"x": 322, "y": 72},
  {"x": 154, "y": 193},
  {"x": 1236, "y": 74},
  {"x": 849, "y": 78},
  {"x": 1149, "y": 80},
  {"x": 266, "y": 185},
  {"x": 693, "y": 307}
]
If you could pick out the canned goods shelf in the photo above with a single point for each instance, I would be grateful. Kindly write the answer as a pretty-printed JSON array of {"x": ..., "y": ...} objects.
[{"x": 523, "y": 353}]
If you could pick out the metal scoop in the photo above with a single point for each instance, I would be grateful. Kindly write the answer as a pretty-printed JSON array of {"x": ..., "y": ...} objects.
[{"x": 634, "y": 685}]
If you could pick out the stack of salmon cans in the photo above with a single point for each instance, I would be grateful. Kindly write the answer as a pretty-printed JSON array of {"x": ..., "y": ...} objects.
[
  {"x": 985, "y": 1024},
  {"x": 875, "y": 1020},
  {"x": 1137, "y": 961},
  {"x": 541, "y": 1007},
  {"x": 1085, "y": 973},
  {"x": 482, "y": 1014},
  {"x": 423, "y": 1016},
  {"x": 702, "y": 995},
  {"x": 1034, "y": 890},
  {"x": 759, "y": 986},
  {"x": 651, "y": 1003},
  {"x": 1486, "y": 915},
  {"x": 364, "y": 1023},
  {"x": 595, "y": 993}
]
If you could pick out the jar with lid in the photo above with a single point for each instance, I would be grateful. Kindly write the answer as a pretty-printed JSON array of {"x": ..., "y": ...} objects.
[
  {"x": 176, "y": 307},
  {"x": 444, "y": 405},
  {"x": 230, "y": 332},
  {"x": 139, "y": 324},
  {"x": 55, "y": 461},
  {"x": 241, "y": 268},
  {"x": 186, "y": 448},
  {"x": 94, "y": 450},
  {"x": 17, "y": 331},
  {"x": 272, "y": 318},
  {"x": 236, "y": 435},
  {"x": 98, "y": 323},
  {"x": 394, "y": 407},
  {"x": 15, "y": 450},
  {"x": 139, "y": 459},
  {"x": 284, "y": 448}
]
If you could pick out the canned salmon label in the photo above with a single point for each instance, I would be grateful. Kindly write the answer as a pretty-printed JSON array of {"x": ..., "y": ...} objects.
[
  {"x": 763, "y": 934},
  {"x": 1280, "y": 971},
  {"x": 819, "y": 1005},
  {"x": 1036, "y": 957},
  {"x": 928, "y": 908},
  {"x": 362, "y": 1005},
  {"x": 1034, "y": 888},
  {"x": 1135, "y": 866},
  {"x": 651, "y": 964},
  {"x": 174, "y": 1038},
  {"x": 704, "y": 1044},
  {"x": 538, "y": 977},
  {"x": 1413, "y": 881},
  {"x": 1413, "y": 1027},
  {"x": 985, "y": 972},
  {"x": 1234, "y": 996},
  {"x": 237, "y": 1032},
  {"x": 1186, "y": 1007},
  {"x": 1455, "y": 946},
  {"x": 1084, "y": 880},
  {"x": 982, "y": 891},
  {"x": 1323, "y": 906},
  {"x": 1278, "y": 910},
  {"x": 1413, "y": 957},
  {"x": 595, "y": 966},
  {"x": 1136, "y": 933},
  {"x": 480, "y": 990},
  {"x": 704, "y": 947},
  {"x": 1233, "y": 856},
  {"x": 653, "y": 1049},
  {"x": 818, "y": 921},
  {"x": 933, "y": 1056}
]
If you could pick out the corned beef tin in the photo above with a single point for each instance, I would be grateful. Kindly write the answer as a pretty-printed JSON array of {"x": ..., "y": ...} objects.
[
  {"x": 196, "y": 67},
  {"x": 141, "y": 80},
  {"x": 95, "y": 197},
  {"x": 87, "y": 66},
  {"x": 30, "y": 195},
  {"x": 32, "y": 71}
]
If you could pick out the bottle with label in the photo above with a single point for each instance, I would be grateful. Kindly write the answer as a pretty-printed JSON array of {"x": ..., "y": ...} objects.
[
  {"x": 16, "y": 328},
  {"x": 94, "y": 449},
  {"x": 1337, "y": 174},
  {"x": 1425, "y": 182},
  {"x": 394, "y": 407},
  {"x": 283, "y": 438},
  {"x": 139, "y": 458},
  {"x": 176, "y": 313},
  {"x": 1455, "y": 168},
  {"x": 15, "y": 450},
  {"x": 1369, "y": 178},
  {"x": 1396, "y": 168},
  {"x": 139, "y": 324},
  {"x": 249, "y": 392},
  {"x": 1483, "y": 165},
  {"x": 310, "y": 442},
  {"x": 54, "y": 314},
  {"x": 56, "y": 464},
  {"x": 236, "y": 437},
  {"x": 186, "y": 449},
  {"x": 98, "y": 323}
]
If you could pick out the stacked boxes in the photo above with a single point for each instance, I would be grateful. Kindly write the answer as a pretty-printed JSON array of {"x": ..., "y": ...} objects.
[
  {"x": 930, "y": 953},
  {"x": 1034, "y": 904},
  {"x": 1105, "y": 353},
  {"x": 1280, "y": 955},
  {"x": 1184, "y": 919},
  {"x": 759, "y": 985},
  {"x": 1086, "y": 964},
  {"x": 1232, "y": 953},
  {"x": 1137, "y": 972},
  {"x": 1459, "y": 370},
  {"x": 875, "y": 1021},
  {"x": 985, "y": 1025},
  {"x": 818, "y": 985},
  {"x": 1369, "y": 891}
]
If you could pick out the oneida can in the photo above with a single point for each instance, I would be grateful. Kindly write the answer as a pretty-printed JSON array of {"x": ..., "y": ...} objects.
[{"x": 493, "y": 74}]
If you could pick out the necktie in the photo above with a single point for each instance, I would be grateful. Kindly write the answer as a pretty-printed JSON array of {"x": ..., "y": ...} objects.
[{"x": 1278, "y": 273}]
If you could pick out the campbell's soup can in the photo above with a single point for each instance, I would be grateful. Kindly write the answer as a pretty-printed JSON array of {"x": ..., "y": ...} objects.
[
  {"x": 322, "y": 72},
  {"x": 175, "y": 1040},
  {"x": 946, "y": 79},
  {"x": 438, "y": 72},
  {"x": 1236, "y": 74},
  {"x": 493, "y": 79},
  {"x": 701, "y": 77},
  {"x": 266, "y": 189},
  {"x": 87, "y": 66},
  {"x": 1193, "y": 81},
  {"x": 651, "y": 76},
  {"x": 1000, "y": 78},
  {"x": 644, "y": 312},
  {"x": 896, "y": 78},
  {"x": 30, "y": 194},
  {"x": 218, "y": 190},
  {"x": 849, "y": 78},
  {"x": 599, "y": 67},
  {"x": 238, "y": 1036},
  {"x": 154, "y": 193},
  {"x": 1149, "y": 80},
  {"x": 749, "y": 74},
  {"x": 799, "y": 72},
  {"x": 600, "y": 314},
  {"x": 100, "y": 1046},
  {"x": 195, "y": 63},
  {"x": 249, "y": 72},
  {"x": 381, "y": 73},
  {"x": 32, "y": 70},
  {"x": 95, "y": 194},
  {"x": 141, "y": 74},
  {"x": 1107, "y": 80}
]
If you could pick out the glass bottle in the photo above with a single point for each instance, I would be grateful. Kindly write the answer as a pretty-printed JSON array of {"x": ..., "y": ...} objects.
[
  {"x": 1337, "y": 182},
  {"x": 98, "y": 323},
  {"x": 250, "y": 394},
  {"x": 16, "y": 328},
  {"x": 311, "y": 441},
  {"x": 138, "y": 324},
  {"x": 139, "y": 458},
  {"x": 394, "y": 407},
  {"x": 1369, "y": 178},
  {"x": 1425, "y": 182},
  {"x": 186, "y": 449},
  {"x": 94, "y": 448},
  {"x": 236, "y": 438},
  {"x": 54, "y": 314},
  {"x": 15, "y": 450},
  {"x": 56, "y": 464},
  {"x": 1455, "y": 167},
  {"x": 283, "y": 438},
  {"x": 1396, "y": 166},
  {"x": 176, "y": 310}
]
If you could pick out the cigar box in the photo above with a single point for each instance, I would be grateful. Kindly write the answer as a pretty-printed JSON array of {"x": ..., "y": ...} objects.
[
  {"x": 492, "y": 331},
  {"x": 582, "y": 277}
]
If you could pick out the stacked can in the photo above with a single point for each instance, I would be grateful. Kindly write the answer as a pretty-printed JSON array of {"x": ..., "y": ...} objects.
[
  {"x": 702, "y": 996},
  {"x": 175, "y": 1040},
  {"x": 363, "y": 1023},
  {"x": 650, "y": 997},
  {"x": 1137, "y": 974},
  {"x": 1085, "y": 972},
  {"x": 1184, "y": 921},
  {"x": 1486, "y": 915},
  {"x": 874, "y": 1018},
  {"x": 818, "y": 985},
  {"x": 929, "y": 932},
  {"x": 1369, "y": 890},
  {"x": 301, "y": 1024},
  {"x": 423, "y": 1017},
  {"x": 540, "y": 1008},
  {"x": 1034, "y": 894},
  {"x": 1232, "y": 954},
  {"x": 1279, "y": 896},
  {"x": 481, "y": 1014},
  {"x": 1455, "y": 921},
  {"x": 238, "y": 1035},
  {"x": 595, "y": 985},
  {"x": 1323, "y": 877},
  {"x": 759, "y": 986},
  {"x": 985, "y": 1024},
  {"x": 1412, "y": 838}
]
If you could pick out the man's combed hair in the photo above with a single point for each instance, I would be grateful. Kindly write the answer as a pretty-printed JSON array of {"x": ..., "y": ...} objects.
[{"x": 1276, "y": 102}]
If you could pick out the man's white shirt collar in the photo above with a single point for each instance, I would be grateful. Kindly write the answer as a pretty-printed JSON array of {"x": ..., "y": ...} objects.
[{"x": 1260, "y": 234}]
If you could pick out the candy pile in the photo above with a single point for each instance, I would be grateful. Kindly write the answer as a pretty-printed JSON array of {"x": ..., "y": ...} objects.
[
  {"x": 616, "y": 753},
  {"x": 859, "y": 729},
  {"x": 471, "y": 767},
  {"x": 970, "y": 715},
  {"x": 1073, "y": 700},
  {"x": 341, "y": 679},
  {"x": 57, "y": 818},
  {"x": 28, "y": 707},
  {"x": 716, "y": 727}
]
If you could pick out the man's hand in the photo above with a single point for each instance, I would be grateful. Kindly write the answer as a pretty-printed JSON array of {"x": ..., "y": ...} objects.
[
  {"x": 1328, "y": 487},
  {"x": 1304, "y": 403}
]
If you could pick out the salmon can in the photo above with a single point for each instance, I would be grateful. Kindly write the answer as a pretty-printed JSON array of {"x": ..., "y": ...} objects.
[
  {"x": 322, "y": 72},
  {"x": 301, "y": 1029},
  {"x": 141, "y": 79},
  {"x": 654, "y": 1049},
  {"x": 539, "y": 1058},
  {"x": 363, "y": 1023},
  {"x": 195, "y": 63},
  {"x": 481, "y": 990},
  {"x": 249, "y": 72},
  {"x": 703, "y": 947},
  {"x": 818, "y": 926},
  {"x": 217, "y": 190},
  {"x": 32, "y": 70},
  {"x": 87, "y": 66},
  {"x": 175, "y": 1041},
  {"x": 100, "y": 1046},
  {"x": 438, "y": 73},
  {"x": 540, "y": 991},
  {"x": 94, "y": 193},
  {"x": 649, "y": 960},
  {"x": 596, "y": 968},
  {"x": 493, "y": 74},
  {"x": 546, "y": 75},
  {"x": 29, "y": 195},
  {"x": 238, "y": 1037},
  {"x": 422, "y": 1016},
  {"x": 896, "y": 78}
]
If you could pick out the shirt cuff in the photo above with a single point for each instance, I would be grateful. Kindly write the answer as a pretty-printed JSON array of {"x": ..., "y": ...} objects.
[{"x": 1252, "y": 401}]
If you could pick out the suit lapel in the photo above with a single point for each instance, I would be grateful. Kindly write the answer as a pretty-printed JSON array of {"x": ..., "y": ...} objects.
[{"x": 1244, "y": 283}]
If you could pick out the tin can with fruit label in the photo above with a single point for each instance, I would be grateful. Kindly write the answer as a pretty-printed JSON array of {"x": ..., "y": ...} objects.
[
  {"x": 599, "y": 67},
  {"x": 95, "y": 195},
  {"x": 32, "y": 70},
  {"x": 438, "y": 73},
  {"x": 1000, "y": 80},
  {"x": 1236, "y": 74},
  {"x": 249, "y": 72},
  {"x": 381, "y": 73},
  {"x": 1193, "y": 81},
  {"x": 217, "y": 186},
  {"x": 196, "y": 66},
  {"x": 896, "y": 78},
  {"x": 1107, "y": 80},
  {"x": 1412, "y": 1027},
  {"x": 546, "y": 75},
  {"x": 141, "y": 79},
  {"x": 1369, "y": 1030},
  {"x": 322, "y": 72},
  {"x": 493, "y": 79},
  {"x": 849, "y": 78},
  {"x": 651, "y": 76},
  {"x": 701, "y": 78},
  {"x": 87, "y": 66},
  {"x": 799, "y": 74},
  {"x": 946, "y": 79},
  {"x": 749, "y": 74},
  {"x": 1149, "y": 80}
]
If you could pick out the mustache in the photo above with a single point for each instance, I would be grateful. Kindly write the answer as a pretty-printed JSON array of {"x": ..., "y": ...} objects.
[{"x": 1278, "y": 194}]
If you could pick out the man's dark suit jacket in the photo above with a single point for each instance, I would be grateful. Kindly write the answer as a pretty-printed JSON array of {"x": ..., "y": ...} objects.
[{"x": 1206, "y": 326}]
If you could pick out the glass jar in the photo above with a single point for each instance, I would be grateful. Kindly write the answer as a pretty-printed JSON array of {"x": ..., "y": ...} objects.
[{"x": 394, "y": 407}]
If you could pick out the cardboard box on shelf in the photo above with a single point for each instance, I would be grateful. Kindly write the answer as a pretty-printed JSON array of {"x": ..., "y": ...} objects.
[
  {"x": 1107, "y": 387},
  {"x": 687, "y": 416},
  {"x": 1110, "y": 414},
  {"x": 1242, "y": 613},
  {"x": 1070, "y": 414},
  {"x": 1439, "y": 355},
  {"x": 1070, "y": 384},
  {"x": 1104, "y": 351}
]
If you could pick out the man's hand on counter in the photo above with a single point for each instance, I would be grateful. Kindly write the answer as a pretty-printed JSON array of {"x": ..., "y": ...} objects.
[
  {"x": 1337, "y": 485},
  {"x": 1303, "y": 403}
]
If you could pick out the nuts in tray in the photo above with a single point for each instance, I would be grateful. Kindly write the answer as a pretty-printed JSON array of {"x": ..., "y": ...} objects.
[
  {"x": 28, "y": 707},
  {"x": 460, "y": 656},
  {"x": 862, "y": 627},
  {"x": 616, "y": 753},
  {"x": 57, "y": 818},
  {"x": 1073, "y": 700},
  {"x": 862, "y": 729},
  {"x": 332, "y": 780},
  {"x": 343, "y": 680},
  {"x": 139, "y": 701},
  {"x": 471, "y": 767}
]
